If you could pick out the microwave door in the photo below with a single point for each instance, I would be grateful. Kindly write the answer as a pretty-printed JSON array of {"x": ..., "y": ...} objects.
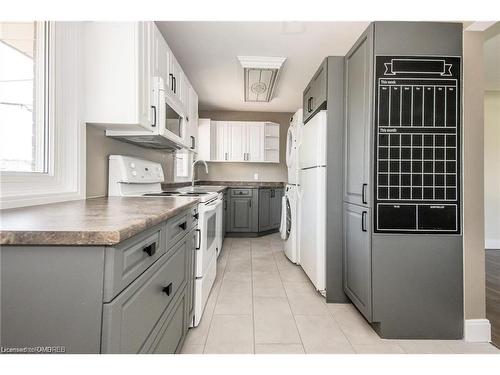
[{"x": 173, "y": 121}]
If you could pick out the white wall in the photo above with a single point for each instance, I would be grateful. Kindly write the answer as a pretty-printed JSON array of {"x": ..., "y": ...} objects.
[{"x": 492, "y": 169}]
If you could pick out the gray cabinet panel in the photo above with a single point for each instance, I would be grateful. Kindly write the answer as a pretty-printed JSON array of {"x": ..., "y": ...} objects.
[
  {"x": 173, "y": 330},
  {"x": 129, "y": 318},
  {"x": 178, "y": 227},
  {"x": 357, "y": 258},
  {"x": 358, "y": 70},
  {"x": 125, "y": 262},
  {"x": 275, "y": 217},
  {"x": 52, "y": 296},
  {"x": 241, "y": 214},
  {"x": 264, "y": 209},
  {"x": 192, "y": 242},
  {"x": 314, "y": 95}
]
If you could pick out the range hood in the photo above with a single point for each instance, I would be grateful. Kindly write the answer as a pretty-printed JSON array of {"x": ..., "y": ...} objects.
[
  {"x": 150, "y": 141},
  {"x": 260, "y": 76}
]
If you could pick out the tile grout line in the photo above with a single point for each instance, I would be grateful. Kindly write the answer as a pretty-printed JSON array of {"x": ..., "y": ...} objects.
[
  {"x": 290, "y": 306},
  {"x": 253, "y": 301},
  {"x": 217, "y": 297}
]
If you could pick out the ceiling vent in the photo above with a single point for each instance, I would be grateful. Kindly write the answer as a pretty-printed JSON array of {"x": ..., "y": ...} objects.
[{"x": 260, "y": 75}]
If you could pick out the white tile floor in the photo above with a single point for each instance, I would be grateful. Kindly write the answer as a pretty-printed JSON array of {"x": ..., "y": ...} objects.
[{"x": 262, "y": 303}]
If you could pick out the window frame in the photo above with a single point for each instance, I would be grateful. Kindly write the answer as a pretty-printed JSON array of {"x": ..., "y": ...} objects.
[
  {"x": 64, "y": 176},
  {"x": 190, "y": 159}
]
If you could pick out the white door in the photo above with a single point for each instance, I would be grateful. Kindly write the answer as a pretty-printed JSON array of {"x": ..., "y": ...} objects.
[
  {"x": 238, "y": 136},
  {"x": 255, "y": 142},
  {"x": 313, "y": 144},
  {"x": 312, "y": 225}
]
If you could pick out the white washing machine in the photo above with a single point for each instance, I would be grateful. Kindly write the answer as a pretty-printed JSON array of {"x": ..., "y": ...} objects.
[{"x": 289, "y": 223}]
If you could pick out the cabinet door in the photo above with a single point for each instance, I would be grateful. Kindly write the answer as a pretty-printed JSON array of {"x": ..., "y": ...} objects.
[
  {"x": 175, "y": 77},
  {"x": 160, "y": 55},
  {"x": 145, "y": 48},
  {"x": 238, "y": 142},
  {"x": 358, "y": 120},
  {"x": 276, "y": 195},
  {"x": 222, "y": 140},
  {"x": 357, "y": 258},
  {"x": 255, "y": 142},
  {"x": 264, "y": 209},
  {"x": 184, "y": 92},
  {"x": 241, "y": 214}
]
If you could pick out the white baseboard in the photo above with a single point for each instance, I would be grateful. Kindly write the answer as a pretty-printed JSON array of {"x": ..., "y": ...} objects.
[
  {"x": 491, "y": 244},
  {"x": 477, "y": 330}
]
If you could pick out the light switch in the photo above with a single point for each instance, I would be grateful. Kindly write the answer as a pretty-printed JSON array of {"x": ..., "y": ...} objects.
[{"x": 255, "y": 176}]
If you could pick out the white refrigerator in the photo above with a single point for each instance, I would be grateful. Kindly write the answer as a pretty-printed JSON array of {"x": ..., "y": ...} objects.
[{"x": 312, "y": 156}]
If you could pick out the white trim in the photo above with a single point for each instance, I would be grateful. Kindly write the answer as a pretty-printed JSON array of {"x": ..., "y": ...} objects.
[
  {"x": 477, "y": 330},
  {"x": 261, "y": 62},
  {"x": 491, "y": 244},
  {"x": 65, "y": 179}
]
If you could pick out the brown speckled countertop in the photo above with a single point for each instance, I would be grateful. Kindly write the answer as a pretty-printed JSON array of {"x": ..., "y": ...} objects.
[{"x": 96, "y": 221}]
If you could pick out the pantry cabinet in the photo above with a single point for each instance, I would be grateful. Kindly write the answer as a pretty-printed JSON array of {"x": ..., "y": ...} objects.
[{"x": 243, "y": 141}]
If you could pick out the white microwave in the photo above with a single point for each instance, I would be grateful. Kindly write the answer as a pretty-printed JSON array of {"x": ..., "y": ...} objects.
[{"x": 170, "y": 120}]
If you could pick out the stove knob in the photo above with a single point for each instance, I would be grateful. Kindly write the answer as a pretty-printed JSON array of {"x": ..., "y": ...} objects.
[
  {"x": 134, "y": 173},
  {"x": 132, "y": 165}
]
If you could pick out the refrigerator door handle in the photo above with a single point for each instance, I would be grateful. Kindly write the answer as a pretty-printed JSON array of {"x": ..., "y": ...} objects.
[
  {"x": 363, "y": 193},
  {"x": 363, "y": 221}
]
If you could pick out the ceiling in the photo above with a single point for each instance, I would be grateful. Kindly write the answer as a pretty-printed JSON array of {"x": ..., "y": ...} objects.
[{"x": 207, "y": 52}]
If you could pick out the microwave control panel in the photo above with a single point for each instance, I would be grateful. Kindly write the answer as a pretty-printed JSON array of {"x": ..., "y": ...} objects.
[{"x": 417, "y": 144}]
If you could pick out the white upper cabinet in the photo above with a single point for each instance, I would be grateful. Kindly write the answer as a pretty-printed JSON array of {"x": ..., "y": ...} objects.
[
  {"x": 242, "y": 141},
  {"x": 123, "y": 64},
  {"x": 118, "y": 74},
  {"x": 254, "y": 142}
]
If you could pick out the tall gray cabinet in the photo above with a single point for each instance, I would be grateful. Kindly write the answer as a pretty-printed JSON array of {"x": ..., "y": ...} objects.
[{"x": 402, "y": 238}]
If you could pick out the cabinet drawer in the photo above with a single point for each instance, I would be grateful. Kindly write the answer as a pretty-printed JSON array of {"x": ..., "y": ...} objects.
[
  {"x": 178, "y": 227},
  {"x": 241, "y": 192},
  {"x": 172, "y": 329},
  {"x": 129, "y": 319},
  {"x": 125, "y": 262}
]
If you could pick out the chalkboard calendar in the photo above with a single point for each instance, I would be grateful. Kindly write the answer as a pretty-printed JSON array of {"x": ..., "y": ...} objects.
[{"x": 417, "y": 144}]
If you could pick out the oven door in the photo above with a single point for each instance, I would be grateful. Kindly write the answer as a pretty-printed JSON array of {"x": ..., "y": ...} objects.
[{"x": 208, "y": 225}]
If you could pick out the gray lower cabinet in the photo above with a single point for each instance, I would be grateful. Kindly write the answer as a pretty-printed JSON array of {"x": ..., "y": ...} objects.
[
  {"x": 269, "y": 208},
  {"x": 357, "y": 257},
  {"x": 243, "y": 208},
  {"x": 136, "y": 297}
]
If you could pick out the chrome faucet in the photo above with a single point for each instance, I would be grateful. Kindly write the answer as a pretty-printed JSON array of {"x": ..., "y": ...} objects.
[{"x": 192, "y": 170}]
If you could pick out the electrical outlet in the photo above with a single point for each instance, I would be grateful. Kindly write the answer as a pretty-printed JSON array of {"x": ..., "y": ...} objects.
[{"x": 255, "y": 176}]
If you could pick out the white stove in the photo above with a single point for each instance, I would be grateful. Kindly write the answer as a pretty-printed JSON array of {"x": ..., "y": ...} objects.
[{"x": 134, "y": 177}]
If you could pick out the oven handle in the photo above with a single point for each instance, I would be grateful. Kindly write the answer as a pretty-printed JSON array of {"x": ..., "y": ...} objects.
[
  {"x": 198, "y": 246},
  {"x": 211, "y": 207}
]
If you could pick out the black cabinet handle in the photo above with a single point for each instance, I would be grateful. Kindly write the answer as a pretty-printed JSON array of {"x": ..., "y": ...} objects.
[
  {"x": 309, "y": 104},
  {"x": 183, "y": 225},
  {"x": 199, "y": 240},
  {"x": 225, "y": 205},
  {"x": 153, "y": 107},
  {"x": 175, "y": 85},
  {"x": 250, "y": 203},
  {"x": 171, "y": 81},
  {"x": 167, "y": 289},
  {"x": 363, "y": 193},
  {"x": 195, "y": 216},
  {"x": 150, "y": 249},
  {"x": 193, "y": 143},
  {"x": 363, "y": 221}
]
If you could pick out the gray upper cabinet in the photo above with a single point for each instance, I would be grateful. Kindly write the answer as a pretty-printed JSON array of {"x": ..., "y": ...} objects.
[
  {"x": 314, "y": 95},
  {"x": 357, "y": 258},
  {"x": 358, "y": 70}
]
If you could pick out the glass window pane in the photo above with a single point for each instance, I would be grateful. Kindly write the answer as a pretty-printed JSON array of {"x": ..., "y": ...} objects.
[{"x": 22, "y": 94}]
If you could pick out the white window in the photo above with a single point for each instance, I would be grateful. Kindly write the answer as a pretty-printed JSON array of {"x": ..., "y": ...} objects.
[
  {"x": 182, "y": 165},
  {"x": 24, "y": 60},
  {"x": 42, "y": 139}
]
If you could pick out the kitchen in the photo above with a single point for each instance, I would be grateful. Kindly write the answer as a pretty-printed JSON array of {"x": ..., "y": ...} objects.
[{"x": 294, "y": 202}]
